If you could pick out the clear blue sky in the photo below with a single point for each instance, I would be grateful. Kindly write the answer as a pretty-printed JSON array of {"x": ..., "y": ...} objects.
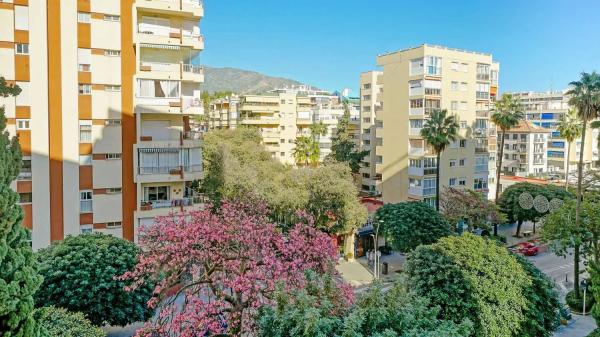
[{"x": 541, "y": 45}]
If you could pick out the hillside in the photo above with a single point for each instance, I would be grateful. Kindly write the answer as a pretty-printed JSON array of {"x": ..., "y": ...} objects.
[{"x": 241, "y": 81}]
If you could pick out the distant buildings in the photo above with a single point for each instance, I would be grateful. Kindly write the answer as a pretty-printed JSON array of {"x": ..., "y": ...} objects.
[
  {"x": 414, "y": 82},
  {"x": 108, "y": 91},
  {"x": 525, "y": 150}
]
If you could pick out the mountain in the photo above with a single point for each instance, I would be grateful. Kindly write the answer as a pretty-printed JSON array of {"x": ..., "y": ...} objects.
[{"x": 241, "y": 81}]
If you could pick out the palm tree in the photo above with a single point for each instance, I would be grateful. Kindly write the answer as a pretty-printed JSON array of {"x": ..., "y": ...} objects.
[
  {"x": 585, "y": 96},
  {"x": 570, "y": 129},
  {"x": 316, "y": 131},
  {"x": 302, "y": 150},
  {"x": 439, "y": 131},
  {"x": 507, "y": 113},
  {"x": 596, "y": 125}
]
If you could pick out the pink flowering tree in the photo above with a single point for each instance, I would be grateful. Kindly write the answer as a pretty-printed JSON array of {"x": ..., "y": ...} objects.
[{"x": 215, "y": 269}]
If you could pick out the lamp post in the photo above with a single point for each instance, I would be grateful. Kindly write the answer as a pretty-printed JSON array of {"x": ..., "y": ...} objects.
[{"x": 583, "y": 285}]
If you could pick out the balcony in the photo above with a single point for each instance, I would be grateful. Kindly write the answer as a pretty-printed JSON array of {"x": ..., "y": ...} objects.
[
  {"x": 481, "y": 150},
  {"x": 271, "y": 136},
  {"x": 154, "y": 36},
  {"x": 416, "y": 111},
  {"x": 154, "y": 208},
  {"x": 483, "y": 95},
  {"x": 160, "y": 71},
  {"x": 482, "y": 114},
  {"x": 416, "y": 151},
  {"x": 184, "y": 105},
  {"x": 193, "y": 8},
  {"x": 415, "y": 132},
  {"x": 192, "y": 73},
  {"x": 303, "y": 121},
  {"x": 483, "y": 76},
  {"x": 25, "y": 174},
  {"x": 260, "y": 120},
  {"x": 188, "y": 139}
]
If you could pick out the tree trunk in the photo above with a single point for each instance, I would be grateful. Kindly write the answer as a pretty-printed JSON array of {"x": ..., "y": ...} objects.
[
  {"x": 567, "y": 166},
  {"x": 579, "y": 182},
  {"x": 576, "y": 269},
  {"x": 518, "y": 233},
  {"x": 437, "y": 182},
  {"x": 499, "y": 168}
]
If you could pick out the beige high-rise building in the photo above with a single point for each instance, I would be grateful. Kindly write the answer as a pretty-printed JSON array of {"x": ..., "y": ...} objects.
[
  {"x": 417, "y": 81},
  {"x": 544, "y": 109},
  {"x": 223, "y": 113},
  {"x": 370, "y": 107},
  {"x": 109, "y": 87}
]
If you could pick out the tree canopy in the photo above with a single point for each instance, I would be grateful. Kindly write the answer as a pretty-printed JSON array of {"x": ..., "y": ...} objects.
[
  {"x": 80, "y": 275},
  {"x": 237, "y": 166},
  {"x": 19, "y": 279},
  {"x": 470, "y": 206},
  {"x": 58, "y": 322},
  {"x": 342, "y": 145},
  {"x": 409, "y": 224},
  {"x": 468, "y": 276}
]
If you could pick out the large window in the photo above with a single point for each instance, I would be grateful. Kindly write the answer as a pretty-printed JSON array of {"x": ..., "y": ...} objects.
[
  {"x": 429, "y": 186},
  {"x": 85, "y": 133},
  {"x": 21, "y": 48},
  {"x": 416, "y": 103},
  {"x": 483, "y": 72},
  {"x": 158, "y": 88},
  {"x": 85, "y": 202},
  {"x": 433, "y": 64},
  {"x": 156, "y": 193},
  {"x": 416, "y": 66},
  {"x": 480, "y": 183}
]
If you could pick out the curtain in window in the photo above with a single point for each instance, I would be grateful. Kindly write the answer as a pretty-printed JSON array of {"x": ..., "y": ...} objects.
[{"x": 160, "y": 88}]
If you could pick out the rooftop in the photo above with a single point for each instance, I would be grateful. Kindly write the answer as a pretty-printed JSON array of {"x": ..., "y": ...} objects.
[
  {"x": 435, "y": 46},
  {"x": 528, "y": 127}
]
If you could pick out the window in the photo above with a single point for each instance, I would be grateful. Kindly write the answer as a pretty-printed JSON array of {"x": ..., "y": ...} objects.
[
  {"x": 282, "y": 154},
  {"x": 454, "y": 105},
  {"x": 85, "y": 160},
  {"x": 158, "y": 88},
  {"x": 462, "y": 162},
  {"x": 84, "y": 67},
  {"x": 86, "y": 229},
  {"x": 113, "y": 88},
  {"x": 282, "y": 141},
  {"x": 416, "y": 103},
  {"x": 416, "y": 66},
  {"x": 85, "y": 202},
  {"x": 85, "y": 89},
  {"x": 415, "y": 87},
  {"x": 463, "y": 106},
  {"x": 454, "y": 66},
  {"x": 282, "y": 127},
  {"x": 481, "y": 164},
  {"x": 85, "y": 133},
  {"x": 21, "y": 48},
  {"x": 114, "y": 18},
  {"x": 433, "y": 65},
  {"x": 113, "y": 190},
  {"x": 23, "y": 124},
  {"x": 113, "y": 156},
  {"x": 367, "y": 86},
  {"x": 463, "y": 86},
  {"x": 463, "y": 143},
  {"x": 414, "y": 182},
  {"x": 462, "y": 182},
  {"x": 83, "y": 17},
  {"x": 111, "y": 52},
  {"x": 452, "y": 182},
  {"x": 464, "y": 67},
  {"x": 452, "y": 162},
  {"x": 454, "y": 86},
  {"x": 483, "y": 90},
  {"x": 463, "y": 124},
  {"x": 414, "y": 163},
  {"x": 429, "y": 186},
  {"x": 114, "y": 224},
  {"x": 112, "y": 122},
  {"x": 156, "y": 193},
  {"x": 21, "y": 17},
  {"x": 483, "y": 72},
  {"x": 25, "y": 198},
  {"x": 366, "y": 97},
  {"x": 367, "y": 120},
  {"x": 480, "y": 183}
]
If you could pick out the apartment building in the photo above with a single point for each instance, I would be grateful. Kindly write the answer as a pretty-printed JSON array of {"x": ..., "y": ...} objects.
[
  {"x": 223, "y": 113},
  {"x": 525, "y": 150},
  {"x": 544, "y": 109},
  {"x": 109, "y": 87},
  {"x": 417, "y": 81},
  {"x": 370, "y": 106}
]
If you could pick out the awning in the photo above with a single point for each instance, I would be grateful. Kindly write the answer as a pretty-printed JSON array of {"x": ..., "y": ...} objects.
[
  {"x": 159, "y": 46},
  {"x": 159, "y": 150}
]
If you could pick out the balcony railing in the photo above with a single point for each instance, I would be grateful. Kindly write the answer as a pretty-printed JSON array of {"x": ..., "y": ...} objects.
[
  {"x": 416, "y": 111},
  {"x": 482, "y": 95},
  {"x": 25, "y": 174},
  {"x": 192, "y": 135},
  {"x": 156, "y": 204},
  {"x": 415, "y": 131},
  {"x": 188, "y": 68},
  {"x": 146, "y": 170}
]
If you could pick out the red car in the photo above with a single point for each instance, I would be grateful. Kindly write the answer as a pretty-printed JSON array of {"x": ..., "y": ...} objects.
[{"x": 529, "y": 249}]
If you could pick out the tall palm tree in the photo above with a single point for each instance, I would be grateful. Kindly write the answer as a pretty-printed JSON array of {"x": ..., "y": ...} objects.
[
  {"x": 439, "y": 131},
  {"x": 569, "y": 127},
  {"x": 316, "y": 131},
  {"x": 585, "y": 96},
  {"x": 302, "y": 150},
  {"x": 507, "y": 113}
]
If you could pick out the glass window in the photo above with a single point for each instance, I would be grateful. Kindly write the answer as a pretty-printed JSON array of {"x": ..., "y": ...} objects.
[
  {"x": 23, "y": 124},
  {"x": 114, "y": 224},
  {"x": 463, "y": 143},
  {"x": 108, "y": 17},
  {"x": 85, "y": 89},
  {"x": 85, "y": 133},
  {"x": 85, "y": 160},
  {"x": 416, "y": 103},
  {"x": 83, "y": 17},
  {"x": 110, "y": 52},
  {"x": 154, "y": 193},
  {"x": 21, "y": 17},
  {"x": 113, "y": 190},
  {"x": 85, "y": 201},
  {"x": 22, "y": 48},
  {"x": 452, "y": 182},
  {"x": 433, "y": 65},
  {"x": 25, "y": 198},
  {"x": 416, "y": 66},
  {"x": 158, "y": 88},
  {"x": 110, "y": 156}
]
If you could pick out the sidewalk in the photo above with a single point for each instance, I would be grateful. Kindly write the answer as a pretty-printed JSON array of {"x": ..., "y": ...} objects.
[{"x": 580, "y": 326}]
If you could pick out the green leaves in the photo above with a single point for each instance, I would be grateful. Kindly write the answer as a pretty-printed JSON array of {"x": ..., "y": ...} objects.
[
  {"x": 410, "y": 224},
  {"x": 440, "y": 130},
  {"x": 58, "y": 322},
  {"x": 80, "y": 275}
]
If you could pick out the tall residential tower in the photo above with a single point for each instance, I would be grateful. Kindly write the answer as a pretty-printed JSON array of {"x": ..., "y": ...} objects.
[{"x": 109, "y": 87}]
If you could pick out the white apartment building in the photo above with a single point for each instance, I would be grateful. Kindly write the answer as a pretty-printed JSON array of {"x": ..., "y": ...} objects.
[
  {"x": 525, "y": 150},
  {"x": 370, "y": 106},
  {"x": 109, "y": 87},
  {"x": 223, "y": 113}
]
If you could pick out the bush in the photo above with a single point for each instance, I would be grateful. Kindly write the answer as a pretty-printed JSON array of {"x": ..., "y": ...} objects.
[
  {"x": 58, "y": 322},
  {"x": 576, "y": 304},
  {"x": 468, "y": 276},
  {"x": 410, "y": 224},
  {"x": 79, "y": 275},
  {"x": 595, "y": 333}
]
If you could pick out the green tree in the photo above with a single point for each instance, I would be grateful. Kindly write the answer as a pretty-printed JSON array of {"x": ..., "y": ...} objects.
[
  {"x": 596, "y": 125},
  {"x": 19, "y": 279},
  {"x": 58, "y": 322},
  {"x": 470, "y": 206},
  {"x": 510, "y": 205},
  {"x": 468, "y": 276},
  {"x": 541, "y": 317},
  {"x": 303, "y": 150},
  {"x": 342, "y": 145},
  {"x": 80, "y": 275},
  {"x": 439, "y": 131},
  {"x": 585, "y": 96},
  {"x": 507, "y": 113},
  {"x": 410, "y": 224},
  {"x": 570, "y": 129}
]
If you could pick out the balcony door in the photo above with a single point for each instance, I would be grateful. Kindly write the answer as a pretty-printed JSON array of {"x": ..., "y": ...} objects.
[{"x": 157, "y": 130}]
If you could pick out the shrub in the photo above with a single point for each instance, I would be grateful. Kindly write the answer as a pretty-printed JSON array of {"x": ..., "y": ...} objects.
[
  {"x": 79, "y": 275},
  {"x": 576, "y": 304},
  {"x": 58, "y": 322}
]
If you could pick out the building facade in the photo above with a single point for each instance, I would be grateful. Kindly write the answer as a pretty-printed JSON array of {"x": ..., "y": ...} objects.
[
  {"x": 371, "y": 90},
  {"x": 525, "y": 150},
  {"x": 544, "y": 109},
  {"x": 223, "y": 113},
  {"x": 109, "y": 87},
  {"x": 417, "y": 81}
]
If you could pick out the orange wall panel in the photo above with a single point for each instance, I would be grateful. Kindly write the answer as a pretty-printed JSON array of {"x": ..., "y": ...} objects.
[
  {"x": 23, "y": 111},
  {"x": 84, "y": 77},
  {"x": 85, "y": 148},
  {"x": 83, "y": 5},
  {"x": 24, "y": 186},
  {"x": 21, "y": 2},
  {"x": 22, "y": 68},
  {"x": 85, "y": 178},
  {"x": 6, "y": 5},
  {"x": 28, "y": 219},
  {"x": 84, "y": 35},
  {"x": 85, "y": 107},
  {"x": 25, "y": 141},
  {"x": 22, "y": 36},
  {"x": 86, "y": 218}
]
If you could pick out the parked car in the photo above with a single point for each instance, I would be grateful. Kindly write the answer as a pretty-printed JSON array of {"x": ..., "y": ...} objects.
[{"x": 529, "y": 249}]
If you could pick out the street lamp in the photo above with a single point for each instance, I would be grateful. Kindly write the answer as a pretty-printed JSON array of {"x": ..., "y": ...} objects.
[{"x": 584, "y": 285}]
